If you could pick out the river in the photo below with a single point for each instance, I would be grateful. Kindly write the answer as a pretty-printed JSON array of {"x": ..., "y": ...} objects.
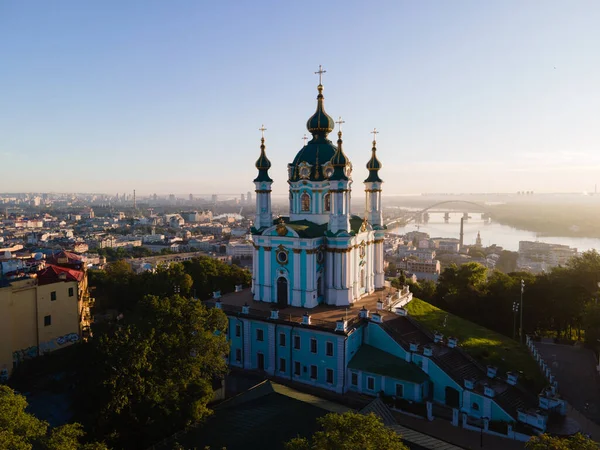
[{"x": 491, "y": 232}]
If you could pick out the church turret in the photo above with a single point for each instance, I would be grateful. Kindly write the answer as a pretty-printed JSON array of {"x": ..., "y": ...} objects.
[
  {"x": 264, "y": 215},
  {"x": 373, "y": 188},
  {"x": 339, "y": 188}
]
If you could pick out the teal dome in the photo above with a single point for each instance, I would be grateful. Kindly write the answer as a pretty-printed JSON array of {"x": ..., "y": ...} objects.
[
  {"x": 320, "y": 122},
  {"x": 339, "y": 161},
  {"x": 312, "y": 157},
  {"x": 374, "y": 165},
  {"x": 263, "y": 164}
]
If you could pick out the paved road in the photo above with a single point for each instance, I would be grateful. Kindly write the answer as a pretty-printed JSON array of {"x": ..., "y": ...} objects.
[{"x": 575, "y": 370}]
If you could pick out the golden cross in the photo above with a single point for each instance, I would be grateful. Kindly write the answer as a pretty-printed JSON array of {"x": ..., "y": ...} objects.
[
  {"x": 340, "y": 122},
  {"x": 320, "y": 72},
  {"x": 374, "y": 133},
  {"x": 304, "y": 138},
  {"x": 262, "y": 130}
]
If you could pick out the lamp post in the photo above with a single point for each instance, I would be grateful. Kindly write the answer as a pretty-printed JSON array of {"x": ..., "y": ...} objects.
[
  {"x": 521, "y": 327},
  {"x": 515, "y": 308}
]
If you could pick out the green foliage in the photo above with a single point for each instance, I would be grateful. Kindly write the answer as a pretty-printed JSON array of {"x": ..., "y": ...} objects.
[
  {"x": 119, "y": 288},
  {"x": 20, "y": 430},
  {"x": 507, "y": 262},
  {"x": 482, "y": 343},
  {"x": 349, "y": 431},
  {"x": 152, "y": 374},
  {"x": 547, "y": 442}
]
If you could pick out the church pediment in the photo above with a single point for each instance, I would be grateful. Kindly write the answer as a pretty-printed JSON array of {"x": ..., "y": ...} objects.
[{"x": 280, "y": 229}]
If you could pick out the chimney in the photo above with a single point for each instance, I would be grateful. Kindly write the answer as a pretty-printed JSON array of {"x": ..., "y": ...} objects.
[
  {"x": 306, "y": 319},
  {"x": 238, "y": 288},
  {"x": 245, "y": 309},
  {"x": 511, "y": 378},
  {"x": 492, "y": 371},
  {"x": 377, "y": 318},
  {"x": 363, "y": 313},
  {"x": 452, "y": 342},
  {"x": 341, "y": 325},
  {"x": 274, "y": 314},
  {"x": 437, "y": 337}
]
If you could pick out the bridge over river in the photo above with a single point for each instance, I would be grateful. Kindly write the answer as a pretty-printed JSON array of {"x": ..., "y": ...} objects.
[{"x": 409, "y": 216}]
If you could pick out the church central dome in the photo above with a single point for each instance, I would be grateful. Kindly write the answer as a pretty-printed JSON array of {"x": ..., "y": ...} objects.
[{"x": 313, "y": 161}]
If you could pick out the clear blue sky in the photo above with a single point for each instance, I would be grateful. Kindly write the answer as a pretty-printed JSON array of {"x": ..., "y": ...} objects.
[{"x": 168, "y": 96}]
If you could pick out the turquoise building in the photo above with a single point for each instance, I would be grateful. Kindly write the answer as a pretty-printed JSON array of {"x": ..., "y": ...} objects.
[{"x": 319, "y": 314}]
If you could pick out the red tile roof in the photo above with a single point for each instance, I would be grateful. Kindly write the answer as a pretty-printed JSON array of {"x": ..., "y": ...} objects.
[{"x": 55, "y": 274}]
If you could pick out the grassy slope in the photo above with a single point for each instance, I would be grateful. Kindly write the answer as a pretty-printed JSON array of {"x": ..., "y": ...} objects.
[{"x": 483, "y": 344}]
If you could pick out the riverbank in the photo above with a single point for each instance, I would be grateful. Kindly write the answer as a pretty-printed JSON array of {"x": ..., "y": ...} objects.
[{"x": 568, "y": 220}]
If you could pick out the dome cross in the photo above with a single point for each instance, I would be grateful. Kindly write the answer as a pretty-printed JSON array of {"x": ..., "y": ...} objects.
[
  {"x": 340, "y": 122},
  {"x": 262, "y": 130},
  {"x": 320, "y": 72},
  {"x": 304, "y": 138},
  {"x": 374, "y": 133}
]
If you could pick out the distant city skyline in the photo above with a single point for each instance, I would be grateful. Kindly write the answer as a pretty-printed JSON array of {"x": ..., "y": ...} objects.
[{"x": 499, "y": 96}]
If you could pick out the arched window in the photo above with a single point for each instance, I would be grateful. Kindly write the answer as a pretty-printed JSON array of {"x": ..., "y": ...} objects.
[
  {"x": 327, "y": 202},
  {"x": 320, "y": 287},
  {"x": 305, "y": 202},
  {"x": 362, "y": 278}
]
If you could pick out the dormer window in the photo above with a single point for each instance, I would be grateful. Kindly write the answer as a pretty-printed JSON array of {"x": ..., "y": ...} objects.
[
  {"x": 305, "y": 202},
  {"x": 327, "y": 169}
]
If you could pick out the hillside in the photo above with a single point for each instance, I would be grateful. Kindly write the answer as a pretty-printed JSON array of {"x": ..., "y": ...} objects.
[{"x": 485, "y": 345}]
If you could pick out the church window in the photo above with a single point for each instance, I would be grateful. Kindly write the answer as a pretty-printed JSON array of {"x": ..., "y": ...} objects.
[
  {"x": 329, "y": 378},
  {"x": 238, "y": 331},
  {"x": 475, "y": 407},
  {"x": 329, "y": 349},
  {"x": 327, "y": 202},
  {"x": 282, "y": 339},
  {"x": 260, "y": 335},
  {"x": 371, "y": 383},
  {"x": 362, "y": 278},
  {"x": 320, "y": 287},
  {"x": 282, "y": 257},
  {"x": 313, "y": 345},
  {"x": 305, "y": 202},
  {"x": 297, "y": 342},
  {"x": 313, "y": 372},
  {"x": 354, "y": 379},
  {"x": 320, "y": 256}
]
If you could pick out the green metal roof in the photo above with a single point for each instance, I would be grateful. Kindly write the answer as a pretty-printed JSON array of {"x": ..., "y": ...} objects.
[
  {"x": 371, "y": 359},
  {"x": 318, "y": 151}
]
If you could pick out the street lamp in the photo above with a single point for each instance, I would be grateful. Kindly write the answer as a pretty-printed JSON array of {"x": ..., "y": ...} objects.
[
  {"x": 521, "y": 327},
  {"x": 515, "y": 308}
]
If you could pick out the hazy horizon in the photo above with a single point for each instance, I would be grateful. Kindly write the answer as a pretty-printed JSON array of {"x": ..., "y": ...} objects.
[{"x": 168, "y": 97}]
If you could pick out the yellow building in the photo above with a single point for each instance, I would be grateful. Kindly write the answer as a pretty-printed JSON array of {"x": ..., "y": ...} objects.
[{"x": 41, "y": 313}]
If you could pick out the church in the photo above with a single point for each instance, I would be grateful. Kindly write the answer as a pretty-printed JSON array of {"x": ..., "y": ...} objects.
[{"x": 320, "y": 253}]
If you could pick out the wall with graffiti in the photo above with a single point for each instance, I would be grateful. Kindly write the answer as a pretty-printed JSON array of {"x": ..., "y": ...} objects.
[{"x": 45, "y": 347}]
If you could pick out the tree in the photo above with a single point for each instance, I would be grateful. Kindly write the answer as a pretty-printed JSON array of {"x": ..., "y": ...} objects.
[
  {"x": 152, "y": 375},
  {"x": 547, "y": 442},
  {"x": 349, "y": 431},
  {"x": 20, "y": 430}
]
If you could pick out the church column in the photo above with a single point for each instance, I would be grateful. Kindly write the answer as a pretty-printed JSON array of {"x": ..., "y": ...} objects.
[
  {"x": 379, "y": 271},
  {"x": 297, "y": 292},
  {"x": 329, "y": 274},
  {"x": 268, "y": 276}
]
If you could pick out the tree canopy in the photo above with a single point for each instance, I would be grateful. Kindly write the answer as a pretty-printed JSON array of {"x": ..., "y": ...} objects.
[
  {"x": 547, "y": 442},
  {"x": 350, "y": 431},
  {"x": 20, "y": 430},
  {"x": 152, "y": 373}
]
